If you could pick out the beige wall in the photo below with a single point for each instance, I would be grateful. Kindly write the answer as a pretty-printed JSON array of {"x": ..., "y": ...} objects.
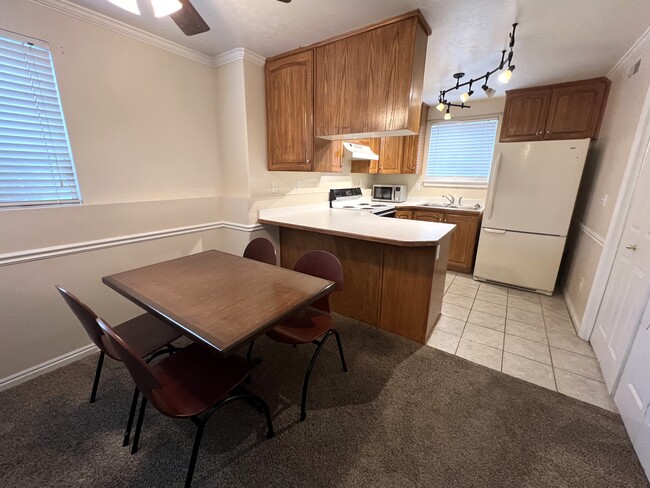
[
  {"x": 603, "y": 175},
  {"x": 479, "y": 108},
  {"x": 143, "y": 134}
]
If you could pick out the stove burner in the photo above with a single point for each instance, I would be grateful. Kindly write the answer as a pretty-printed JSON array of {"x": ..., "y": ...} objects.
[
  {"x": 364, "y": 204},
  {"x": 377, "y": 205},
  {"x": 349, "y": 206}
]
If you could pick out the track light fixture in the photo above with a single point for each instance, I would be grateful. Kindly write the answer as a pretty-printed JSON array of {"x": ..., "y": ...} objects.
[{"x": 504, "y": 77}]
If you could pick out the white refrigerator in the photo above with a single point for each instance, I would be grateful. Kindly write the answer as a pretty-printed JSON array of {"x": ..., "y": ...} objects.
[{"x": 530, "y": 200}]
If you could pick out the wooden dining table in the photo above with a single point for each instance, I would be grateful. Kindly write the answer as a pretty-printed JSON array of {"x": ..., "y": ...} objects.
[{"x": 219, "y": 299}]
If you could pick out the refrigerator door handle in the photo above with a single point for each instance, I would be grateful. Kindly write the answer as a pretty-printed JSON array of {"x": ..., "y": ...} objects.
[
  {"x": 494, "y": 231},
  {"x": 493, "y": 187}
]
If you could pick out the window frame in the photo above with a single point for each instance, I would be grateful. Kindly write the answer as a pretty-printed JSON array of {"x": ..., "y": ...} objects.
[
  {"x": 18, "y": 205},
  {"x": 456, "y": 184}
]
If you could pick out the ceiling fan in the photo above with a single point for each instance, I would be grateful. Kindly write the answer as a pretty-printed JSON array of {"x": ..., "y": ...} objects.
[{"x": 182, "y": 12}]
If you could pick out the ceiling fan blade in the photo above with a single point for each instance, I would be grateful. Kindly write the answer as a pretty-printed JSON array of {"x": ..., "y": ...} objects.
[{"x": 189, "y": 20}]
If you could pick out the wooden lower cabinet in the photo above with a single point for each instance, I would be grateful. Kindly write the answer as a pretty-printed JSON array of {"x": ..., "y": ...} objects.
[
  {"x": 395, "y": 288},
  {"x": 464, "y": 240}
]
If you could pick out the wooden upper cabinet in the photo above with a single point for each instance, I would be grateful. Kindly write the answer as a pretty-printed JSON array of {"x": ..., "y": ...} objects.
[
  {"x": 414, "y": 146},
  {"x": 564, "y": 111},
  {"x": 289, "y": 112},
  {"x": 370, "y": 83},
  {"x": 391, "y": 153},
  {"x": 576, "y": 111},
  {"x": 524, "y": 116}
]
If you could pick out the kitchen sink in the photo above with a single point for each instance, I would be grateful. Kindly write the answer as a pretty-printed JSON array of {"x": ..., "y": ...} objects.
[{"x": 472, "y": 208}]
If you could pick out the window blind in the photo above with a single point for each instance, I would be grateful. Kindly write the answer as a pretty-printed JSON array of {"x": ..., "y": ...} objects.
[
  {"x": 36, "y": 166},
  {"x": 461, "y": 152}
]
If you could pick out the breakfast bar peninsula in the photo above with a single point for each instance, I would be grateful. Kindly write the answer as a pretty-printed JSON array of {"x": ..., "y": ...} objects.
[{"x": 394, "y": 268}]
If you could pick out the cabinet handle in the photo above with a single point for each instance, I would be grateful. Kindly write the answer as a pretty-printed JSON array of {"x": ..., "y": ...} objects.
[
  {"x": 540, "y": 132},
  {"x": 307, "y": 160},
  {"x": 548, "y": 131}
]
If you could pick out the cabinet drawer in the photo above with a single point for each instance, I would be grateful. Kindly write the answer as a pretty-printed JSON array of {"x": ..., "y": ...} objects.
[{"x": 429, "y": 216}]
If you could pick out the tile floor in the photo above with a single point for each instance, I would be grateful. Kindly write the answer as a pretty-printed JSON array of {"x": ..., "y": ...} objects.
[{"x": 519, "y": 333}]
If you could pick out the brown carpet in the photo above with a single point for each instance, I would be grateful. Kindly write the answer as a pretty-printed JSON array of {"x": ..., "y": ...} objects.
[{"x": 404, "y": 415}]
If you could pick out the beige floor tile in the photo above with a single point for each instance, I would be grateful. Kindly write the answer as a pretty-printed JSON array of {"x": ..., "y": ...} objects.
[
  {"x": 569, "y": 343},
  {"x": 465, "y": 291},
  {"x": 450, "y": 325},
  {"x": 529, "y": 370},
  {"x": 489, "y": 307},
  {"x": 496, "y": 289},
  {"x": 480, "y": 354},
  {"x": 554, "y": 301},
  {"x": 560, "y": 325},
  {"x": 526, "y": 317},
  {"x": 487, "y": 296},
  {"x": 483, "y": 335},
  {"x": 487, "y": 320},
  {"x": 576, "y": 363},
  {"x": 526, "y": 295},
  {"x": 560, "y": 314},
  {"x": 459, "y": 300},
  {"x": 451, "y": 273},
  {"x": 523, "y": 304},
  {"x": 527, "y": 348},
  {"x": 584, "y": 389},
  {"x": 454, "y": 311},
  {"x": 443, "y": 341},
  {"x": 527, "y": 331},
  {"x": 466, "y": 280}
]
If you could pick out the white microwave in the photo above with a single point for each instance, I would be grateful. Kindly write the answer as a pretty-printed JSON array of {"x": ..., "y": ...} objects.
[{"x": 389, "y": 193}]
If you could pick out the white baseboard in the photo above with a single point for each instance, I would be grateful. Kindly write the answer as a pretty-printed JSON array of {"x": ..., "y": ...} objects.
[
  {"x": 572, "y": 312},
  {"x": 46, "y": 367}
]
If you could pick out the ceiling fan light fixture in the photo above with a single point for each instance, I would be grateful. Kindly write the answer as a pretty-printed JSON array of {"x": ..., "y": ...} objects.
[
  {"x": 129, "y": 5},
  {"x": 161, "y": 8}
]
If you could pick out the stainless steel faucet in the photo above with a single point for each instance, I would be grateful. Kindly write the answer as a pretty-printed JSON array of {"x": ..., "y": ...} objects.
[
  {"x": 450, "y": 198},
  {"x": 460, "y": 199}
]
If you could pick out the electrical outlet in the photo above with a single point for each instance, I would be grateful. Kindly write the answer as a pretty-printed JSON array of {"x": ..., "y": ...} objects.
[
  {"x": 603, "y": 201},
  {"x": 298, "y": 185},
  {"x": 274, "y": 187},
  {"x": 581, "y": 283}
]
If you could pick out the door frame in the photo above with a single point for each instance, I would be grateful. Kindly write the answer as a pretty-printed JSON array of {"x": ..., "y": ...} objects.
[{"x": 618, "y": 221}]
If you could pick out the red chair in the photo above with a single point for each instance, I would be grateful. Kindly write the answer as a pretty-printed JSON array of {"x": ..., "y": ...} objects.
[
  {"x": 193, "y": 383},
  {"x": 145, "y": 332},
  {"x": 314, "y": 323},
  {"x": 262, "y": 250}
]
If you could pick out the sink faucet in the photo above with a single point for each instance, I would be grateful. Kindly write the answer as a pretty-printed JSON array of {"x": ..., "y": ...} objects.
[
  {"x": 450, "y": 198},
  {"x": 460, "y": 199}
]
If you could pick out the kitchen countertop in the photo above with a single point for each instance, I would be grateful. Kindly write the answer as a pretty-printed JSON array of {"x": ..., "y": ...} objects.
[
  {"x": 422, "y": 205},
  {"x": 357, "y": 224}
]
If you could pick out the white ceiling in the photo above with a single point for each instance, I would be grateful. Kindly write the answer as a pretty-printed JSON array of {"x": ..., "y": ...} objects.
[{"x": 557, "y": 40}]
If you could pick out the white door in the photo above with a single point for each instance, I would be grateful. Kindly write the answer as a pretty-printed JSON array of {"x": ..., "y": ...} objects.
[
  {"x": 519, "y": 259},
  {"x": 633, "y": 392},
  {"x": 628, "y": 286},
  {"x": 533, "y": 186}
]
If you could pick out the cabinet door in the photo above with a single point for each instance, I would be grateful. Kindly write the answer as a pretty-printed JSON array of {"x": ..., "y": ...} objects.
[
  {"x": 390, "y": 155},
  {"x": 524, "y": 116},
  {"x": 342, "y": 69},
  {"x": 404, "y": 214},
  {"x": 575, "y": 111},
  {"x": 290, "y": 113},
  {"x": 328, "y": 156},
  {"x": 414, "y": 146},
  {"x": 428, "y": 216},
  {"x": 463, "y": 242}
]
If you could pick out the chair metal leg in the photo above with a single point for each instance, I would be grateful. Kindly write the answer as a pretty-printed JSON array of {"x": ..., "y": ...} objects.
[
  {"x": 98, "y": 372},
  {"x": 129, "y": 423},
  {"x": 249, "y": 356},
  {"x": 305, "y": 385},
  {"x": 138, "y": 426},
  {"x": 200, "y": 424},
  {"x": 338, "y": 341}
]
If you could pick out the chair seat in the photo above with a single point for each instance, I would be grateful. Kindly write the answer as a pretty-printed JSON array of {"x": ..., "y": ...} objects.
[
  {"x": 195, "y": 379},
  {"x": 302, "y": 328},
  {"x": 145, "y": 333}
]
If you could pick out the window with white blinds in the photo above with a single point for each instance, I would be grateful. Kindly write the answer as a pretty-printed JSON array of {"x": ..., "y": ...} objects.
[
  {"x": 36, "y": 166},
  {"x": 460, "y": 153}
]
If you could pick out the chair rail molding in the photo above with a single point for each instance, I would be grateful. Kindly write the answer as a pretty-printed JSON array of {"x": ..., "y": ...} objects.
[
  {"x": 12, "y": 258},
  {"x": 619, "y": 218}
]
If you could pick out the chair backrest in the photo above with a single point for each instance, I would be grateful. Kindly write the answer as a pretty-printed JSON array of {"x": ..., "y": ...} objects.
[
  {"x": 321, "y": 264},
  {"x": 88, "y": 319},
  {"x": 262, "y": 250},
  {"x": 140, "y": 371}
]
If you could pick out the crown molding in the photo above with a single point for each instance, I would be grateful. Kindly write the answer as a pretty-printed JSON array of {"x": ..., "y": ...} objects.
[
  {"x": 236, "y": 54},
  {"x": 83, "y": 13},
  {"x": 632, "y": 54}
]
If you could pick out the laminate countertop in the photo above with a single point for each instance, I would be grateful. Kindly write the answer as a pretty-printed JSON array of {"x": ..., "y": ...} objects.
[{"x": 357, "y": 224}]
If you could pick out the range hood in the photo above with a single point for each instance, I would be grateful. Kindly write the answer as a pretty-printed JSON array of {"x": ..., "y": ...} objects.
[{"x": 355, "y": 151}]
